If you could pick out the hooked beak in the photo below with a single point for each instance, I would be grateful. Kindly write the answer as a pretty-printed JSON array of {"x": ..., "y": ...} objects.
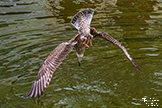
[{"x": 79, "y": 56}]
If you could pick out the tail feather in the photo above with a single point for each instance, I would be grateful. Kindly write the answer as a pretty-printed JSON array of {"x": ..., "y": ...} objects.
[{"x": 81, "y": 16}]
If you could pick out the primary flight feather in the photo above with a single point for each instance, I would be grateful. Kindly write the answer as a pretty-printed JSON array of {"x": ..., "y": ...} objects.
[{"x": 81, "y": 21}]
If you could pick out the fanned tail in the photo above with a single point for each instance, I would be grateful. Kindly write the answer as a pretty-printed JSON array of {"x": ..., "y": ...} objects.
[{"x": 81, "y": 16}]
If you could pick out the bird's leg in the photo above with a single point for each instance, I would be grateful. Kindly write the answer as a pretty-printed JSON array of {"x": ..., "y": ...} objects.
[
  {"x": 84, "y": 43},
  {"x": 91, "y": 39}
]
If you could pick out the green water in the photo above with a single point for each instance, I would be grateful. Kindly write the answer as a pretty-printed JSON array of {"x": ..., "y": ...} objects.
[{"x": 30, "y": 30}]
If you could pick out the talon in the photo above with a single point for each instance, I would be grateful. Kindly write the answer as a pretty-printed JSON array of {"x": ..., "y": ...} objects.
[
  {"x": 91, "y": 41},
  {"x": 85, "y": 43}
]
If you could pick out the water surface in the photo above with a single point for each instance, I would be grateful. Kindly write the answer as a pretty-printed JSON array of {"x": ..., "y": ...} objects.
[{"x": 30, "y": 30}]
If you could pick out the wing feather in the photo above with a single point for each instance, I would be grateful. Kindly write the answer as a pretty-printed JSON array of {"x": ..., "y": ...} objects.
[
  {"x": 96, "y": 33},
  {"x": 49, "y": 66},
  {"x": 39, "y": 88}
]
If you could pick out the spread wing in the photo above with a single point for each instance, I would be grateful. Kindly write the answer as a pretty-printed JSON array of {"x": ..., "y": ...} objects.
[
  {"x": 96, "y": 33},
  {"x": 49, "y": 66}
]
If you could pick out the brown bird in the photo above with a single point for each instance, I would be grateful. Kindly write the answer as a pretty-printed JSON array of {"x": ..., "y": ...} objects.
[{"x": 80, "y": 21}]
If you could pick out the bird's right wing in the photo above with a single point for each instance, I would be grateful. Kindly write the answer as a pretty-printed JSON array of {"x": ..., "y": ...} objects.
[
  {"x": 52, "y": 62},
  {"x": 96, "y": 33}
]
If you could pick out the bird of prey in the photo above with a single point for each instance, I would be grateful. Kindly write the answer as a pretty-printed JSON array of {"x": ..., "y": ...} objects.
[{"x": 81, "y": 21}]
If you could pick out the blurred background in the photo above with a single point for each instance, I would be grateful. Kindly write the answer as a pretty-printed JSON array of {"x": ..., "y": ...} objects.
[{"x": 31, "y": 29}]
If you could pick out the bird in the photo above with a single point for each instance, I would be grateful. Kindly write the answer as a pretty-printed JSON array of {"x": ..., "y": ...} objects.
[{"x": 81, "y": 21}]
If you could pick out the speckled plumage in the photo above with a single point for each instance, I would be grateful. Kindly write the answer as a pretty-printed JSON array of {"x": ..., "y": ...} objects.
[{"x": 82, "y": 22}]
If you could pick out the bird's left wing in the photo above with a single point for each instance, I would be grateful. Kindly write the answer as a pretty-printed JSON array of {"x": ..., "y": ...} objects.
[
  {"x": 96, "y": 33},
  {"x": 49, "y": 66}
]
